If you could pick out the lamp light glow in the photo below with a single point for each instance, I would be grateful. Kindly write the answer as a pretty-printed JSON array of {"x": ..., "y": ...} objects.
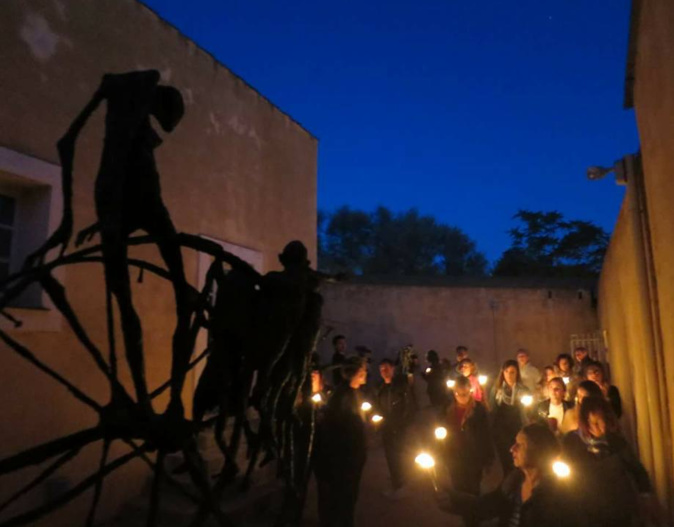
[
  {"x": 561, "y": 469},
  {"x": 440, "y": 433},
  {"x": 527, "y": 400},
  {"x": 451, "y": 383},
  {"x": 425, "y": 461},
  {"x": 428, "y": 370},
  {"x": 376, "y": 418},
  {"x": 482, "y": 379},
  {"x": 566, "y": 380},
  {"x": 366, "y": 407},
  {"x": 317, "y": 398}
]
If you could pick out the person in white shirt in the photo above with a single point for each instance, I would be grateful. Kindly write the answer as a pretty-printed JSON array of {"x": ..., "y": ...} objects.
[
  {"x": 529, "y": 373},
  {"x": 555, "y": 410}
]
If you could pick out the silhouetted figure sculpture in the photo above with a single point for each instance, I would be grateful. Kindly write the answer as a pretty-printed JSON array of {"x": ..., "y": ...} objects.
[
  {"x": 265, "y": 325},
  {"x": 222, "y": 384},
  {"x": 128, "y": 198}
]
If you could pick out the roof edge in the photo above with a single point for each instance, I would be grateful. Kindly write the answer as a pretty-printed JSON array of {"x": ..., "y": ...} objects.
[{"x": 220, "y": 63}]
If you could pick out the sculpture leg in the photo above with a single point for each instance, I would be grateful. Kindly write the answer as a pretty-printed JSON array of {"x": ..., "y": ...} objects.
[
  {"x": 182, "y": 345},
  {"x": 118, "y": 281}
]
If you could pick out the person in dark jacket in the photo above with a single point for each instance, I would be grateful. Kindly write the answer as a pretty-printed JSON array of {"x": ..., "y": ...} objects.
[
  {"x": 436, "y": 380},
  {"x": 616, "y": 489},
  {"x": 531, "y": 495},
  {"x": 508, "y": 414},
  {"x": 342, "y": 449},
  {"x": 468, "y": 445},
  {"x": 395, "y": 406},
  {"x": 338, "y": 358}
]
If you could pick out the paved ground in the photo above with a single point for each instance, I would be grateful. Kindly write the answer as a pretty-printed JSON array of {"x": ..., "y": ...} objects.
[{"x": 417, "y": 510}]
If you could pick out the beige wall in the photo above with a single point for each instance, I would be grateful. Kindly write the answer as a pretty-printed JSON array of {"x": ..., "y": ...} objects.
[
  {"x": 492, "y": 321},
  {"x": 236, "y": 169},
  {"x": 636, "y": 297}
]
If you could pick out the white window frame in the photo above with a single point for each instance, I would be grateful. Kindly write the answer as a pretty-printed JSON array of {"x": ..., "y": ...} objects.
[
  {"x": 11, "y": 228},
  {"x": 27, "y": 170}
]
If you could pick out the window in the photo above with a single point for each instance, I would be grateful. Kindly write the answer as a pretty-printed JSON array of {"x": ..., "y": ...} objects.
[
  {"x": 7, "y": 213},
  {"x": 30, "y": 209}
]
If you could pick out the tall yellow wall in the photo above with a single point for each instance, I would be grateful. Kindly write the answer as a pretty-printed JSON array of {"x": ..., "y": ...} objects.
[
  {"x": 236, "y": 168},
  {"x": 494, "y": 322},
  {"x": 636, "y": 299},
  {"x": 654, "y": 106}
]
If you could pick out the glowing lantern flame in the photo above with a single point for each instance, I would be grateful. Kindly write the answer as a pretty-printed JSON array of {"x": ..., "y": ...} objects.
[
  {"x": 482, "y": 379},
  {"x": 428, "y": 370},
  {"x": 440, "y": 432},
  {"x": 561, "y": 469},
  {"x": 566, "y": 380},
  {"x": 425, "y": 461},
  {"x": 377, "y": 418},
  {"x": 527, "y": 400},
  {"x": 451, "y": 383},
  {"x": 316, "y": 398},
  {"x": 366, "y": 407}
]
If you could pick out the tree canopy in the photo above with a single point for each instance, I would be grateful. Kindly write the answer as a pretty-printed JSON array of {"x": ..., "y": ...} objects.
[
  {"x": 400, "y": 244},
  {"x": 545, "y": 244}
]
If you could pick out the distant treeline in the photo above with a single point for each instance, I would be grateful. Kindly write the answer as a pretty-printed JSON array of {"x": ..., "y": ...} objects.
[{"x": 407, "y": 243}]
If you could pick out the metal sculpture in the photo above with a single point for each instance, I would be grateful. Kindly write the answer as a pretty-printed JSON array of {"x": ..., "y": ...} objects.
[{"x": 265, "y": 325}]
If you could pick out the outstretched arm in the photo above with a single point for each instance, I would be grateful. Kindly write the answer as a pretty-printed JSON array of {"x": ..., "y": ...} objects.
[{"x": 66, "y": 150}]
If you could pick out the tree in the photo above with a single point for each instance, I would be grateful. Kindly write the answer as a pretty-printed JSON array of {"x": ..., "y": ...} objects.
[
  {"x": 401, "y": 244},
  {"x": 545, "y": 244}
]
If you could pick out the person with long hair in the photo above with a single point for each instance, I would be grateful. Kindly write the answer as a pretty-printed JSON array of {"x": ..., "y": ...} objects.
[
  {"x": 531, "y": 495},
  {"x": 616, "y": 488},
  {"x": 507, "y": 411},
  {"x": 564, "y": 365},
  {"x": 583, "y": 390},
  {"x": 594, "y": 371},
  {"x": 542, "y": 386},
  {"x": 564, "y": 369}
]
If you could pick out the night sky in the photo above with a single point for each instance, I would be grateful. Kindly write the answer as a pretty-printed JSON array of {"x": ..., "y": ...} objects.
[{"x": 466, "y": 110}]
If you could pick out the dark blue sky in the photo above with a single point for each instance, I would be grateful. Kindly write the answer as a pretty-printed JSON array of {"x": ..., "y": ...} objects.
[{"x": 467, "y": 110}]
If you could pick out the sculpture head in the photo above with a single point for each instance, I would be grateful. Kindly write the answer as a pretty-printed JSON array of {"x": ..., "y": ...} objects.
[{"x": 168, "y": 107}]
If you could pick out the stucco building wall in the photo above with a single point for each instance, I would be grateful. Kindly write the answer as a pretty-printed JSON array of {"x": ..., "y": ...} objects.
[
  {"x": 236, "y": 169},
  {"x": 636, "y": 297},
  {"x": 492, "y": 321}
]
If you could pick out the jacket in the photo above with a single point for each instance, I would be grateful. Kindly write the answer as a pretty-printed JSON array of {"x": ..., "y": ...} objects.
[
  {"x": 551, "y": 504},
  {"x": 470, "y": 441},
  {"x": 394, "y": 403}
]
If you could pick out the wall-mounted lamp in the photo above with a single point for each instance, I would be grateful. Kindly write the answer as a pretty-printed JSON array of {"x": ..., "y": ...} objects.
[{"x": 624, "y": 169}]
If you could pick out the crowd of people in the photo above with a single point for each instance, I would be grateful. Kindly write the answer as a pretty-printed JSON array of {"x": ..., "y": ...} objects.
[{"x": 528, "y": 420}]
